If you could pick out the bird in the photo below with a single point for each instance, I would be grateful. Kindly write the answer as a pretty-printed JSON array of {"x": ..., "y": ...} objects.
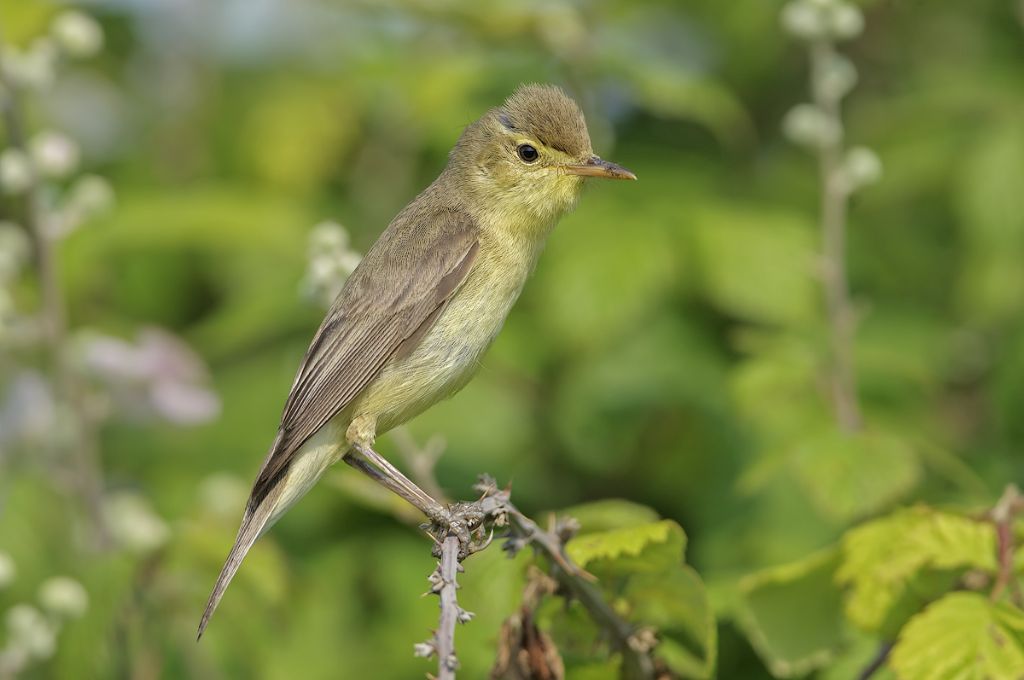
[{"x": 412, "y": 321}]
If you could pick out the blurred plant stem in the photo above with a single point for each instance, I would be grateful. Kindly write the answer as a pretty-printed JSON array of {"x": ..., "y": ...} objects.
[
  {"x": 82, "y": 445},
  {"x": 834, "y": 201},
  {"x": 1003, "y": 515}
]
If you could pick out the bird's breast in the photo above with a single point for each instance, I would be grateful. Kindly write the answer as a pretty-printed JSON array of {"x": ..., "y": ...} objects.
[{"x": 450, "y": 352}]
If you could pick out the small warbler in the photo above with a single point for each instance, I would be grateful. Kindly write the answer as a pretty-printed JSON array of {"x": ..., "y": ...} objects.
[{"x": 411, "y": 323}]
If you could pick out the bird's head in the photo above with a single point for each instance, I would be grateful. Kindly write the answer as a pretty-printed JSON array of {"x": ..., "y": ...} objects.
[{"x": 532, "y": 153}]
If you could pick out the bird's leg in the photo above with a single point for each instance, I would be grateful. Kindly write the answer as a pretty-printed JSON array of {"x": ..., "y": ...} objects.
[
  {"x": 460, "y": 520},
  {"x": 379, "y": 469}
]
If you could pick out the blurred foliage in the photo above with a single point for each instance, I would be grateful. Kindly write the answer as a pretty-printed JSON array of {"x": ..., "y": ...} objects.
[{"x": 669, "y": 349}]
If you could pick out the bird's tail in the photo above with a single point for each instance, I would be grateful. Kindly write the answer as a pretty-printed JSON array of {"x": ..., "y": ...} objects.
[
  {"x": 313, "y": 458},
  {"x": 255, "y": 521}
]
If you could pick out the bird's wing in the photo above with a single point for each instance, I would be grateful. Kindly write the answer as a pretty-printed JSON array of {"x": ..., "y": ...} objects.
[{"x": 389, "y": 301}]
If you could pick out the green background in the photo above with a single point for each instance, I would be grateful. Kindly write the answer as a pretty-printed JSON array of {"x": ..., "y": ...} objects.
[{"x": 668, "y": 350}]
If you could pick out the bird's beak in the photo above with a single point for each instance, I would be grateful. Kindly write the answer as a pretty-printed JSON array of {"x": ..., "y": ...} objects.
[{"x": 595, "y": 167}]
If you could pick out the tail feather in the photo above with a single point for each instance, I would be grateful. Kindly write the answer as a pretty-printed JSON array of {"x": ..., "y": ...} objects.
[
  {"x": 254, "y": 523},
  {"x": 266, "y": 506}
]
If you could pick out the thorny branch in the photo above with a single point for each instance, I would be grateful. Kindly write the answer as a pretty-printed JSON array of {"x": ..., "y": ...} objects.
[
  {"x": 443, "y": 583},
  {"x": 54, "y": 327},
  {"x": 494, "y": 509}
]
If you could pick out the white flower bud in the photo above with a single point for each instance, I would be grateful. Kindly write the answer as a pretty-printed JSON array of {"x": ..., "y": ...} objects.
[
  {"x": 29, "y": 630},
  {"x": 326, "y": 236},
  {"x": 15, "y": 171},
  {"x": 861, "y": 167},
  {"x": 803, "y": 19},
  {"x": 78, "y": 34},
  {"x": 91, "y": 195},
  {"x": 845, "y": 21},
  {"x": 55, "y": 155},
  {"x": 34, "y": 68},
  {"x": 133, "y": 523},
  {"x": 64, "y": 597},
  {"x": 321, "y": 270},
  {"x": 807, "y": 125},
  {"x": 7, "y": 570},
  {"x": 331, "y": 261},
  {"x": 57, "y": 224},
  {"x": 834, "y": 79}
]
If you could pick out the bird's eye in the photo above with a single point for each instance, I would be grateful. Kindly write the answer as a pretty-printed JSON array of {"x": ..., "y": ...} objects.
[{"x": 527, "y": 153}]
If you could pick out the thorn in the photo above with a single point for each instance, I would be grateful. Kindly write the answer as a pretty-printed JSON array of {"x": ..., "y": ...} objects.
[
  {"x": 436, "y": 581},
  {"x": 424, "y": 650}
]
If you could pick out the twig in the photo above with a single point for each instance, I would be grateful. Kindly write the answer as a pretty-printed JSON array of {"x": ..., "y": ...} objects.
[
  {"x": 444, "y": 584},
  {"x": 634, "y": 644},
  {"x": 524, "y": 651},
  {"x": 1009, "y": 505},
  {"x": 877, "y": 661},
  {"x": 841, "y": 318},
  {"x": 450, "y": 610},
  {"x": 54, "y": 327},
  {"x": 469, "y": 524},
  {"x": 461, "y": 530}
]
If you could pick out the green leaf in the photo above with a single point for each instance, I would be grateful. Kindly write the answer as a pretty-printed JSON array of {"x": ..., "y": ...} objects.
[
  {"x": 640, "y": 570},
  {"x": 962, "y": 636},
  {"x": 676, "y": 604},
  {"x": 670, "y": 92},
  {"x": 617, "y": 544},
  {"x": 612, "y": 513},
  {"x": 592, "y": 286},
  {"x": 756, "y": 265},
  {"x": 991, "y": 206},
  {"x": 606, "y": 401},
  {"x": 849, "y": 475},
  {"x": 793, "y": 614},
  {"x": 780, "y": 370},
  {"x": 893, "y": 565}
]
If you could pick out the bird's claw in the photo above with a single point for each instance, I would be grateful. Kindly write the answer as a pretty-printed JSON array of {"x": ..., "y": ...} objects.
[{"x": 465, "y": 521}]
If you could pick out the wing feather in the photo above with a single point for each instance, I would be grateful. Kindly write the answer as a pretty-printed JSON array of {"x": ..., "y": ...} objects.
[{"x": 398, "y": 289}]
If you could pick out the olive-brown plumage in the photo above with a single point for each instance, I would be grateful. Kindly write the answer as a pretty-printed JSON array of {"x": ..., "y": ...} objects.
[{"x": 413, "y": 320}]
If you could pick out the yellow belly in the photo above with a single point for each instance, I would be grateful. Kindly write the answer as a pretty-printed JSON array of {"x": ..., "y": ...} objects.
[{"x": 450, "y": 352}]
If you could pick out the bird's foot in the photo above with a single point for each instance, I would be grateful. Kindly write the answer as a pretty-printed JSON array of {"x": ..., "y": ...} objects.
[{"x": 465, "y": 521}]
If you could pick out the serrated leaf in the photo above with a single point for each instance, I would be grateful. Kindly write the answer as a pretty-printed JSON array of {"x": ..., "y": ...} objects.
[
  {"x": 849, "y": 475},
  {"x": 909, "y": 554},
  {"x": 963, "y": 636},
  {"x": 612, "y": 513},
  {"x": 793, "y": 614},
  {"x": 640, "y": 570},
  {"x": 628, "y": 542}
]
